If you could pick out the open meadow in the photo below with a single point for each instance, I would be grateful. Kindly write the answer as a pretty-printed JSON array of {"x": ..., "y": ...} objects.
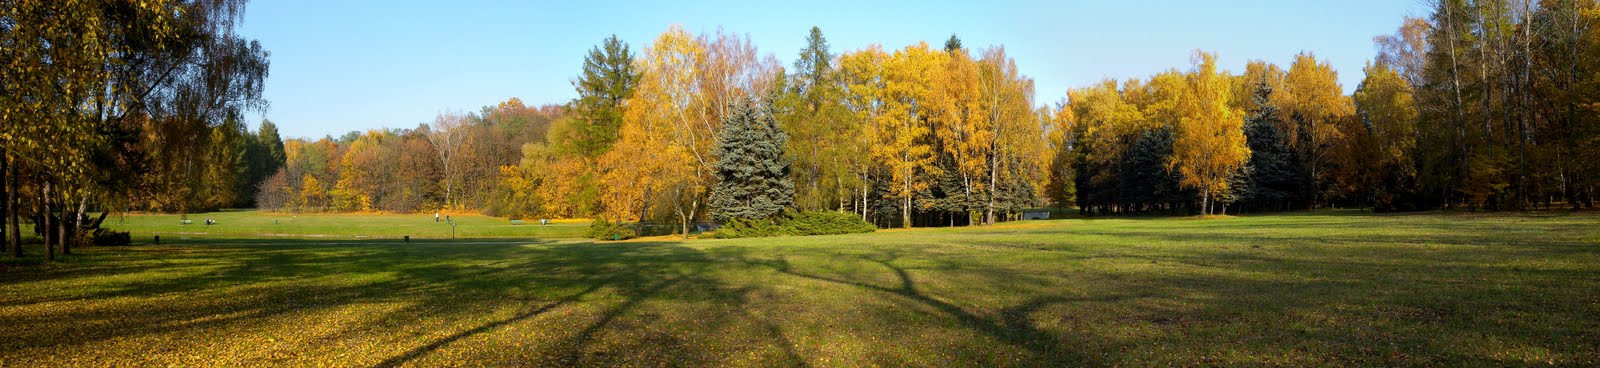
[
  {"x": 1322, "y": 288},
  {"x": 268, "y": 225}
]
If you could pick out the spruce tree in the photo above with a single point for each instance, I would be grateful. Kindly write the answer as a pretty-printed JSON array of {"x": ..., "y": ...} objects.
[
  {"x": 1274, "y": 176},
  {"x": 608, "y": 78},
  {"x": 752, "y": 171}
]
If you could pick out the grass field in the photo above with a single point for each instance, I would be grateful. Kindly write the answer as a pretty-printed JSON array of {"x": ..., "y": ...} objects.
[
  {"x": 1307, "y": 289},
  {"x": 268, "y": 225}
]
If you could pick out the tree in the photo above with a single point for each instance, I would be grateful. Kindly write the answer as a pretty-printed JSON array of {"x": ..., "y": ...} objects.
[
  {"x": 962, "y": 125},
  {"x": 1388, "y": 113},
  {"x": 447, "y": 135},
  {"x": 1018, "y": 154},
  {"x": 1209, "y": 147},
  {"x": 80, "y": 78},
  {"x": 863, "y": 84},
  {"x": 1313, "y": 104},
  {"x": 607, "y": 81},
  {"x": 902, "y": 142},
  {"x": 752, "y": 169},
  {"x": 811, "y": 109},
  {"x": 1273, "y": 176}
]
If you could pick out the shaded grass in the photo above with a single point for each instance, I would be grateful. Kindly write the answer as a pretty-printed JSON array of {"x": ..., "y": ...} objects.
[
  {"x": 267, "y": 225},
  {"x": 1324, "y": 288}
]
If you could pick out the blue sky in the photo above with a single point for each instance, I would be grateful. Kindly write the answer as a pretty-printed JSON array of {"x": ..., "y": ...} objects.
[{"x": 339, "y": 66}]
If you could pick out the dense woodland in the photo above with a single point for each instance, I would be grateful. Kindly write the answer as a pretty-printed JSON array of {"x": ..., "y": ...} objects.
[{"x": 1485, "y": 105}]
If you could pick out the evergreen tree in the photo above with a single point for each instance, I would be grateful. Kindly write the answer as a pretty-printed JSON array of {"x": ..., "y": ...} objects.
[
  {"x": 752, "y": 171},
  {"x": 608, "y": 78},
  {"x": 1145, "y": 183},
  {"x": 1274, "y": 178},
  {"x": 952, "y": 44}
]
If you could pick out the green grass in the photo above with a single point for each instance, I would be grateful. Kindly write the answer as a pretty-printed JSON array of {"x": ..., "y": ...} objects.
[
  {"x": 1311, "y": 289},
  {"x": 269, "y": 225}
]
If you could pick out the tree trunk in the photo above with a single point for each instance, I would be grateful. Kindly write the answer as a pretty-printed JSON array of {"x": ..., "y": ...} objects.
[
  {"x": 905, "y": 212},
  {"x": 5, "y": 191},
  {"x": 77, "y": 218},
  {"x": 994, "y": 170},
  {"x": 1463, "y": 158},
  {"x": 49, "y": 246},
  {"x": 15, "y": 234},
  {"x": 694, "y": 206}
]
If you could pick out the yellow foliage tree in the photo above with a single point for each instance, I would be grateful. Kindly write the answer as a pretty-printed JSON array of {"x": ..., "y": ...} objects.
[
  {"x": 1209, "y": 145},
  {"x": 902, "y": 144},
  {"x": 861, "y": 74},
  {"x": 961, "y": 121},
  {"x": 1314, "y": 105}
]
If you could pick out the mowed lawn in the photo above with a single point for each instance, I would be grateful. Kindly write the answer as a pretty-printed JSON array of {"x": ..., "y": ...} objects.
[
  {"x": 269, "y": 225},
  {"x": 1304, "y": 289}
]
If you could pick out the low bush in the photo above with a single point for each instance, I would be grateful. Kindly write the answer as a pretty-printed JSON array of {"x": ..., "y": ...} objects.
[
  {"x": 795, "y": 224},
  {"x": 605, "y": 230},
  {"x": 110, "y": 237}
]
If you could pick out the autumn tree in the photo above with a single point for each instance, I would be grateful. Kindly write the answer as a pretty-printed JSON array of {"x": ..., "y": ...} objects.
[
  {"x": 447, "y": 134},
  {"x": 1209, "y": 146},
  {"x": 863, "y": 84},
  {"x": 1313, "y": 104},
  {"x": 1387, "y": 111},
  {"x": 961, "y": 125},
  {"x": 903, "y": 131},
  {"x": 810, "y": 108}
]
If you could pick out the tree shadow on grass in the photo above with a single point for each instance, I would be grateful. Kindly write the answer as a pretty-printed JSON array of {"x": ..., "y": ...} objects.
[
  {"x": 1010, "y": 326},
  {"x": 172, "y": 290}
]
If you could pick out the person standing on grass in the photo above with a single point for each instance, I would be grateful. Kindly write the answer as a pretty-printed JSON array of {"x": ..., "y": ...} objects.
[{"x": 435, "y": 216}]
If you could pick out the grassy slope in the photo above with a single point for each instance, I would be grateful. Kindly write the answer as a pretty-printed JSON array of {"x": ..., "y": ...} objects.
[{"x": 1299, "y": 289}]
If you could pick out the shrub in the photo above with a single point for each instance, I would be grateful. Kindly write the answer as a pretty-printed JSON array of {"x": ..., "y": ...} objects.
[
  {"x": 109, "y": 237},
  {"x": 795, "y": 224},
  {"x": 828, "y": 223},
  {"x": 605, "y": 230}
]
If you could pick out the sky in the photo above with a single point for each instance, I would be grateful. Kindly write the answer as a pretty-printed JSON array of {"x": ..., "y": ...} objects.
[{"x": 340, "y": 66}]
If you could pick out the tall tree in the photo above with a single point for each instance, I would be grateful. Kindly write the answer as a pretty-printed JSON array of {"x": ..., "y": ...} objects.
[
  {"x": 1387, "y": 110},
  {"x": 811, "y": 110},
  {"x": 903, "y": 135},
  {"x": 1209, "y": 147},
  {"x": 753, "y": 179},
  {"x": 447, "y": 135},
  {"x": 1313, "y": 104},
  {"x": 607, "y": 81}
]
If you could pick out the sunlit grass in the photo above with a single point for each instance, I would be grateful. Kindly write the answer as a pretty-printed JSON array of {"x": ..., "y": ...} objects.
[{"x": 1305, "y": 289}]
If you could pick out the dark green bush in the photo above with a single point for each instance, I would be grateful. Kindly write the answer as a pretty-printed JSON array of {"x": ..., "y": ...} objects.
[
  {"x": 795, "y": 224},
  {"x": 109, "y": 237},
  {"x": 827, "y": 223},
  {"x": 605, "y": 230}
]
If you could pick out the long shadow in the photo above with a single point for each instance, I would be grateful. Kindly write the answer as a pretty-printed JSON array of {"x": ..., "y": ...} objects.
[
  {"x": 232, "y": 283},
  {"x": 1012, "y": 327},
  {"x": 419, "y": 351}
]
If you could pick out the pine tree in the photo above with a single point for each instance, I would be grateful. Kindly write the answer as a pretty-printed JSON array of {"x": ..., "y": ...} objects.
[
  {"x": 1274, "y": 177},
  {"x": 752, "y": 172},
  {"x": 608, "y": 79}
]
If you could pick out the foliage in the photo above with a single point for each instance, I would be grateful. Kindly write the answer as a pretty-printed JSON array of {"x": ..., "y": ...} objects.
[
  {"x": 1209, "y": 147},
  {"x": 605, "y": 230},
  {"x": 752, "y": 171},
  {"x": 792, "y": 223},
  {"x": 107, "y": 237}
]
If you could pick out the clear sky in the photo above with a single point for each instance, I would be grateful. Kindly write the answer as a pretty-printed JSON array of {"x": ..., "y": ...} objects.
[{"x": 339, "y": 66}]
